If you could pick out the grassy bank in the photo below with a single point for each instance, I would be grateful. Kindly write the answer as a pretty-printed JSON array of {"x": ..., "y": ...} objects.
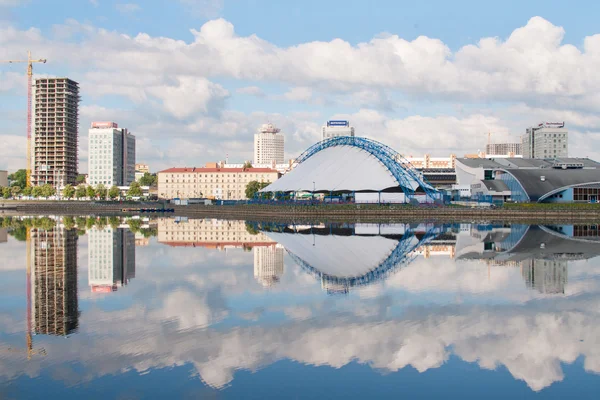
[{"x": 589, "y": 213}]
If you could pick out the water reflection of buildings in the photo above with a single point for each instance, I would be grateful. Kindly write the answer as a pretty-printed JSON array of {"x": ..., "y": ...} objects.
[
  {"x": 343, "y": 256},
  {"x": 53, "y": 268},
  {"x": 3, "y": 235},
  {"x": 268, "y": 264},
  {"x": 542, "y": 252},
  {"x": 111, "y": 258},
  {"x": 224, "y": 235}
]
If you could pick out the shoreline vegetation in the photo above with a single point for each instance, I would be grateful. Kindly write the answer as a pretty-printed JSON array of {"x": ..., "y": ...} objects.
[{"x": 509, "y": 212}]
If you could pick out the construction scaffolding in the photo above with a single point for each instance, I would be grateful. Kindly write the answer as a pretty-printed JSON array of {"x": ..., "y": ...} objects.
[
  {"x": 55, "y": 134},
  {"x": 54, "y": 305}
]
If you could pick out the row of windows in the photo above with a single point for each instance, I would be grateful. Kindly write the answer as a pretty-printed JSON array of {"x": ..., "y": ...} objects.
[{"x": 586, "y": 194}]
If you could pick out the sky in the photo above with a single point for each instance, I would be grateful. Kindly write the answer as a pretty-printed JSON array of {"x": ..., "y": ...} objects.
[{"x": 194, "y": 79}]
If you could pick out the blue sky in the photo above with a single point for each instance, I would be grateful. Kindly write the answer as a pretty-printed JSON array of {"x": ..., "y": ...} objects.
[{"x": 193, "y": 79}]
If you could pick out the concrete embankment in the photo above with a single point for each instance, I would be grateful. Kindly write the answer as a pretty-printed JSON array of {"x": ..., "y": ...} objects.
[{"x": 331, "y": 213}]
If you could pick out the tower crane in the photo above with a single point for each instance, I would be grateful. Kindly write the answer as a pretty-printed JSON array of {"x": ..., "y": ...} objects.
[{"x": 29, "y": 62}]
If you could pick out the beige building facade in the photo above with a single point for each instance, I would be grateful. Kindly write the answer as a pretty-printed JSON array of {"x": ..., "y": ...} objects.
[
  {"x": 208, "y": 182},
  {"x": 211, "y": 233},
  {"x": 3, "y": 178}
]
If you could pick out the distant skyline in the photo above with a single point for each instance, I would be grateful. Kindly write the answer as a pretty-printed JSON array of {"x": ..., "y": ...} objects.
[{"x": 194, "y": 79}]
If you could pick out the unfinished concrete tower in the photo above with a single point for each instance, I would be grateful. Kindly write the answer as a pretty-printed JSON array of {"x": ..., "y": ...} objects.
[{"x": 55, "y": 132}]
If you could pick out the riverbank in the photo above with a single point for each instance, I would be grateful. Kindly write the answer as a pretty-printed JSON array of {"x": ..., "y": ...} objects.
[{"x": 524, "y": 213}]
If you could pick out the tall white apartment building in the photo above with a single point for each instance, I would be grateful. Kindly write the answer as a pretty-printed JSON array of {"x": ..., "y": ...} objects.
[
  {"x": 335, "y": 129},
  {"x": 111, "y": 155},
  {"x": 268, "y": 264},
  {"x": 547, "y": 140},
  {"x": 268, "y": 145},
  {"x": 111, "y": 258}
]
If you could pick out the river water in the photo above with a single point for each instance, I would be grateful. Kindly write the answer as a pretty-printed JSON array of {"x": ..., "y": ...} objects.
[{"x": 116, "y": 308}]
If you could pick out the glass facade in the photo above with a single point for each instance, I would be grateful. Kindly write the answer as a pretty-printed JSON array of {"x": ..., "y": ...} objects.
[{"x": 517, "y": 191}]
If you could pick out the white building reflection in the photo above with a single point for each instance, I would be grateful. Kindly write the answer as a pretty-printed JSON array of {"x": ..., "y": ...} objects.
[{"x": 111, "y": 258}]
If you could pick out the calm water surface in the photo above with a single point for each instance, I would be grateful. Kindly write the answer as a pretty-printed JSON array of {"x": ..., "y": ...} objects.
[{"x": 233, "y": 309}]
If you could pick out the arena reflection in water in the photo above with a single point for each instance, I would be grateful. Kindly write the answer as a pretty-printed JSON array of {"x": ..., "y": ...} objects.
[{"x": 214, "y": 297}]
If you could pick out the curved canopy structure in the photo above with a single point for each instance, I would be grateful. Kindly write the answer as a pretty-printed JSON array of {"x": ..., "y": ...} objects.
[
  {"x": 351, "y": 164},
  {"x": 346, "y": 259}
]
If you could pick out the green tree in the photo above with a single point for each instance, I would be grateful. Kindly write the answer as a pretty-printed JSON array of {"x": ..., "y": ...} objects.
[
  {"x": 68, "y": 222},
  {"x": 68, "y": 192},
  {"x": 101, "y": 222},
  {"x": 100, "y": 191},
  {"x": 247, "y": 165},
  {"x": 44, "y": 223},
  {"x": 19, "y": 178},
  {"x": 114, "y": 192},
  {"x": 114, "y": 222},
  {"x": 6, "y": 193},
  {"x": 150, "y": 232},
  {"x": 19, "y": 233},
  {"x": 134, "y": 225},
  {"x": 80, "y": 192},
  {"x": 90, "y": 192},
  {"x": 135, "y": 190},
  {"x": 251, "y": 229},
  {"x": 90, "y": 222},
  {"x": 48, "y": 190},
  {"x": 27, "y": 191},
  {"x": 36, "y": 191},
  {"x": 80, "y": 179},
  {"x": 253, "y": 187},
  {"x": 80, "y": 221},
  {"x": 15, "y": 191},
  {"x": 148, "y": 179}
]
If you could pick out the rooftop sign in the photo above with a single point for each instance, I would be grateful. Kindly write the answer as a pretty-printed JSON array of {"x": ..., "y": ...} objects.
[
  {"x": 552, "y": 125},
  {"x": 104, "y": 124},
  {"x": 338, "y": 123}
]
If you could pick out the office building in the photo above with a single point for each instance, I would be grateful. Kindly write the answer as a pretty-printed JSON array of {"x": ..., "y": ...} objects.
[
  {"x": 545, "y": 276},
  {"x": 111, "y": 155},
  {"x": 504, "y": 149},
  {"x": 53, "y": 266},
  {"x": 547, "y": 140},
  {"x": 211, "y": 182},
  {"x": 268, "y": 145},
  {"x": 268, "y": 264},
  {"x": 54, "y": 140},
  {"x": 335, "y": 129},
  {"x": 3, "y": 178},
  {"x": 111, "y": 258}
]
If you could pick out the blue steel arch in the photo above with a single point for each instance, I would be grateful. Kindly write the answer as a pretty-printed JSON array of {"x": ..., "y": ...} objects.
[
  {"x": 390, "y": 158},
  {"x": 399, "y": 257}
]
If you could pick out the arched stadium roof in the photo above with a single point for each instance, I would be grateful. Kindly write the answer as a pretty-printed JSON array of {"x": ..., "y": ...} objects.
[{"x": 350, "y": 164}]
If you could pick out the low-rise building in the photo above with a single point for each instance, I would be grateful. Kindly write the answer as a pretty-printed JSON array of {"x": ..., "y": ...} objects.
[
  {"x": 211, "y": 182},
  {"x": 561, "y": 180},
  {"x": 140, "y": 170},
  {"x": 210, "y": 233}
]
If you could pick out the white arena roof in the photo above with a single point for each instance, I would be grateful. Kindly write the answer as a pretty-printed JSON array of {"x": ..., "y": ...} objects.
[{"x": 339, "y": 168}]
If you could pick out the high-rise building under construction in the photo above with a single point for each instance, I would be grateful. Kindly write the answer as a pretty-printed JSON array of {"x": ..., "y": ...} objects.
[
  {"x": 54, "y": 137},
  {"x": 53, "y": 264}
]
